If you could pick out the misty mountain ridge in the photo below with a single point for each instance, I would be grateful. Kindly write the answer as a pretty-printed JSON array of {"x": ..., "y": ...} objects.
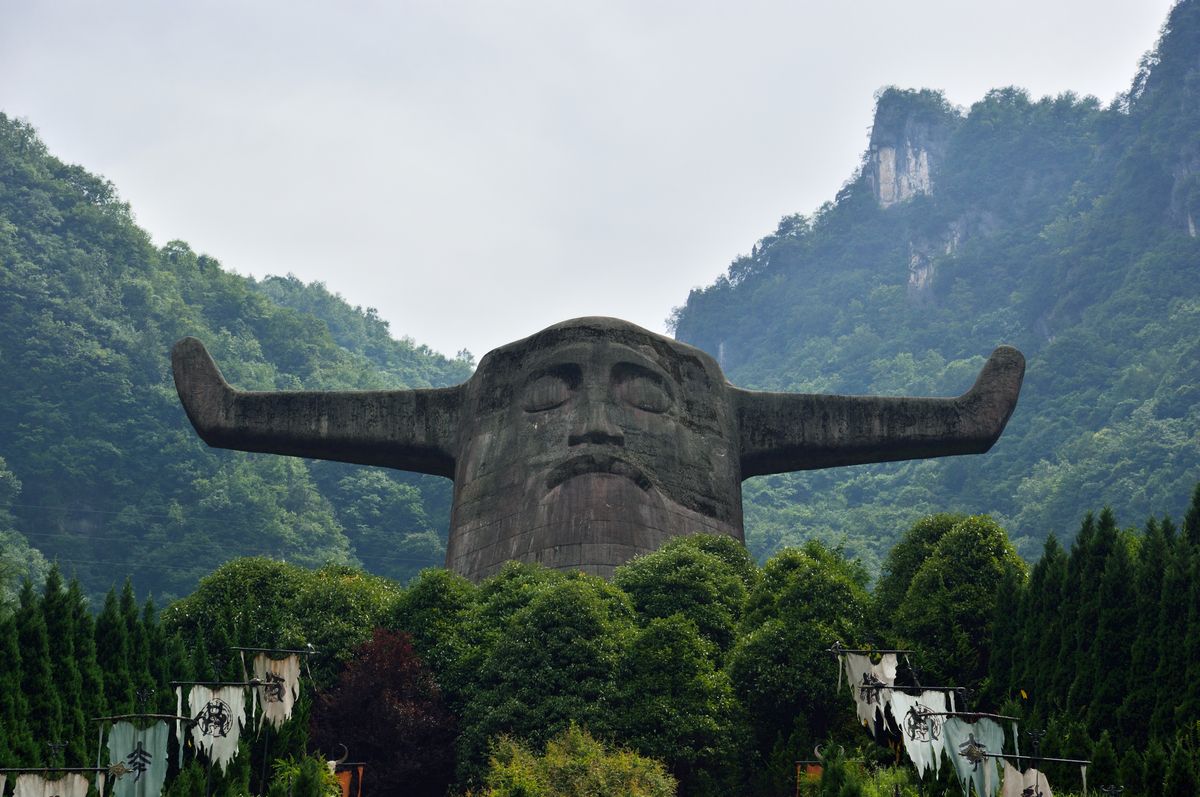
[
  {"x": 100, "y": 469},
  {"x": 1060, "y": 226}
]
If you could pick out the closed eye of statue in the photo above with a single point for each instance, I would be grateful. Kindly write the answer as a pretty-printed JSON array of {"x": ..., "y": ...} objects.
[
  {"x": 642, "y": 390},
  {"x": 545, "y": 393}
]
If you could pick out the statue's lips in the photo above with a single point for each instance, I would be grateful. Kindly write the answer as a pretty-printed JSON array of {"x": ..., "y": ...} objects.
[{"x": 596, "y": 463}]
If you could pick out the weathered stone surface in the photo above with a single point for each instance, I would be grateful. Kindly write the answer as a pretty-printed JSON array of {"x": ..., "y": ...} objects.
[{"x": 593, "y": 440}]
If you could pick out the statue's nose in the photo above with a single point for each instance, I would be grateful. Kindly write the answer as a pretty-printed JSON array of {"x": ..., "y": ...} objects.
[{"x": 595, "y": 425}]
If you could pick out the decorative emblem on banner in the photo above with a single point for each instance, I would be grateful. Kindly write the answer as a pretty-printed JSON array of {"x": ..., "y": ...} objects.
[
  {"x": 218, "y": 717},
  {"x": 973, "y": 751},
  {"x": 922, "y": 725},
  {"x": 279, "y": 686},
  {"x": 870, "y": 689},
  {"x": 272, "y": 689},
  {"x": 215, "y": 718}
]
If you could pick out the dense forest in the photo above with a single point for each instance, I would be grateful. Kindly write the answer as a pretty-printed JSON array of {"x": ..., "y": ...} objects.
[
  {"x": 1057, "y": 225},
  {"x": 99, "y": 468},
  {"x": 695, "y": 667}
]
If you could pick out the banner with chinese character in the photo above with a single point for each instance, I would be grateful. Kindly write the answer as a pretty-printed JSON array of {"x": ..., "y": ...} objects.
[
  {"x": 142, "y": 755},
  {"x": 218, "y": 716},
  {"x": 967, "y": 744},
  {"x": 866, "y": 684},
  {"x": 920, "y": 719},
  {"x": 280, "y": 689},
  {"x": 72, "y": 785}
]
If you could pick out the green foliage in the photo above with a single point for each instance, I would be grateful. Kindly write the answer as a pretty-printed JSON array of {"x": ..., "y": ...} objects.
[
  {"x": 677, "y": 707},
  {"x": 305, "y": 776},
  {"x": 1182, "y": 777},
  {"x": 840, "y": 778},
  {"x": 804, "y": 602},
  {"x": 574, "y": 765},
  {"x": 275, "y": 604},
  {"x": 950, "y": 605},
  {"x": 812, "y": 585},
  {"x": 528, "y": 652},
  {"x": 554, "y": 661},
  {"x": 1053, "y": 224},
  {"x": 1103, "y": 769},
  {"x": 907, "y": 556},
  {"x": 681, "y": 578},
  {"x": 112, "y": 478}
]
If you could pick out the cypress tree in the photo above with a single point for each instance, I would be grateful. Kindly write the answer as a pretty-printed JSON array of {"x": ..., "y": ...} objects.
[
  {"x": 1172, "y": 624},
  {"x": 1103, "y": 769},
  {"x": 1065, "y": 663},
  {"x": 60, "y": 633},
  {"x": 1154, "y": 768},
  {"x": 158, "y": 662},
  {"x": 1138, "y": 706},
  {"x": 1130, "y": 773},
  {"x": 1111, "y": 644},
  {"x": 91, "y": 678},
  {"x": 1181, "y": 778},
  {"x": 16, "y": 744},
  {"x": 1087, "y": 654},
  {"x": 112, "y": 654},
  {"x": 37, "y": 678},
  {"x": 1004, "y": 646},
  {"x": 1048, "y": 619},
  {"x": 1028, "y": 629},
  {"x": 139, "y": 640},
  {"x": 1188, "y": 709},
  {"x": 1191, "y": 520}
]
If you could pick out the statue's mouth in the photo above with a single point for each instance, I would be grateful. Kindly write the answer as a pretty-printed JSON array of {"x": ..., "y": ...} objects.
[{"x": 596, "y": 463}]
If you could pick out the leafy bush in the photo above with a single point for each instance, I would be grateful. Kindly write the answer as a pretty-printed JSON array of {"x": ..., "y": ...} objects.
[{"x": 574, "y": 765}]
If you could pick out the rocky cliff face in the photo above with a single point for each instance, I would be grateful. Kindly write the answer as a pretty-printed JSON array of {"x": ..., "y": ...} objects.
[
  {"x": 896, "y": 177},
  {"x": 908, "y": 142}
]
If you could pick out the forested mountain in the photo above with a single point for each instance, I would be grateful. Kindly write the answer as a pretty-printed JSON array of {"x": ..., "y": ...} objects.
[
  {"x": 1060, "y": 226},
  {"x": 99, "y": 467}
]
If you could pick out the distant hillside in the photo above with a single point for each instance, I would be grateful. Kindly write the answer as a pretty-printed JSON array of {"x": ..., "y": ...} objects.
[
  {"x": 99, "y": 467},
  {"x": 1060, "y": 226}
]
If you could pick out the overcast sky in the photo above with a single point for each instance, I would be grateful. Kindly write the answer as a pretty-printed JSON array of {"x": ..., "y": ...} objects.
[{"x": 479, "y": 170}]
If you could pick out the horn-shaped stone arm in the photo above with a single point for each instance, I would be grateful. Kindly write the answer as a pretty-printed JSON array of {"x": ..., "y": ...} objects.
[
  {"x": 413, "y": 430},
  {"x": 780, "y": 432}
]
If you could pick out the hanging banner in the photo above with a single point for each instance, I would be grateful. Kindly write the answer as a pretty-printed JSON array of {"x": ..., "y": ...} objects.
[
  {"x": 143, "y": 753},
  {"x": 70, "y": 785},
  {"x": 866, "y": 680},
  {"x": 966, "y": 742},
  {"x": 219, "y": 715},
  {"x": 280, "y": 689},
  {"x": 920, "y": 727},
  {"x": 1029, "y": 783}
]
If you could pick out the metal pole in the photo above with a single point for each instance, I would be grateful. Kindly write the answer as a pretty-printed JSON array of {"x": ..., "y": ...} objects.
[{"x": 266, "y": 747}]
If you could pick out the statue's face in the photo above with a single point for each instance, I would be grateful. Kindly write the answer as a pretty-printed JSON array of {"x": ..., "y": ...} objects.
[{"x": 592, "y": 433}]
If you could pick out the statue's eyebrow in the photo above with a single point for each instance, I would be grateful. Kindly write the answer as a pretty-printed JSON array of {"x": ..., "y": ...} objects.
[
  {"x": 569, "y": 372},
  {"x": 625, "y": 369}
]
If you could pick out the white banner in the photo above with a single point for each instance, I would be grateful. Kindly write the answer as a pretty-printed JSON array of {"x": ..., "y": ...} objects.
[
  {"x": 280, "y": 689},
  {"x": 219, "y": 715}
]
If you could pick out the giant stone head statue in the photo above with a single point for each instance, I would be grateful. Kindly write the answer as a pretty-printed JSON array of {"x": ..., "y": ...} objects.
[{"x": 593, "y": 440}]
